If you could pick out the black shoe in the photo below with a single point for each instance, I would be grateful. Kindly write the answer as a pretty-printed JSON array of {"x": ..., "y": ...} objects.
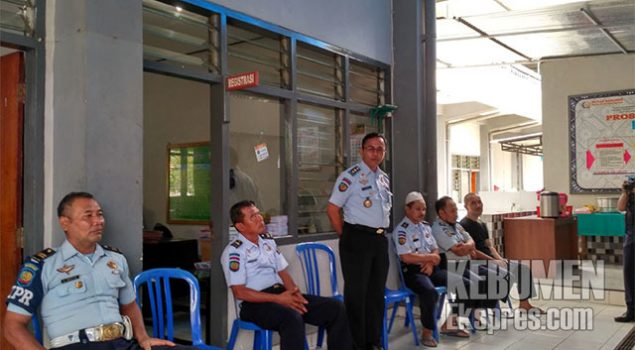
[{"x": 626, "y": 317}]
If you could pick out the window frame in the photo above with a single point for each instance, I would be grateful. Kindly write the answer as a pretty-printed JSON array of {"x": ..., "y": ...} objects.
[{"x": 289, "y": 95}]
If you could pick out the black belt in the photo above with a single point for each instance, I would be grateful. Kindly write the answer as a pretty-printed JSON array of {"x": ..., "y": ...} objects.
[
  {"x": 366, "y": 229},
  {"x": 275, "y": 289}
]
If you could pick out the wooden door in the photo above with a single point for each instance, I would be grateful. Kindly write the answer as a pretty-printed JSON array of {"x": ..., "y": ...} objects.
[{"x": 11, "y": 116}]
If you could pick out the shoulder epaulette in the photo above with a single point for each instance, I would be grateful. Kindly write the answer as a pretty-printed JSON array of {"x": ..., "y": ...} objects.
[
  {"x": 112, "y": 249},
  {"x": 40, "y": 256},
  {"x": 266, "y": 235},
  {"x": 237, "y": 243},
  {"x": 354, "y": 170},
  {"x": 404, "y": 225}
]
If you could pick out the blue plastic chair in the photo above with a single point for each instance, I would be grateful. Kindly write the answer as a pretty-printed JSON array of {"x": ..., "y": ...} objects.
[
  {"x": 395, "y": 297},
  {"x": 263, "y": 338},
  {"x": 437, "y": 311},
  {"x": 308, "y": 254},
  {"x": 157, "y": 282}
]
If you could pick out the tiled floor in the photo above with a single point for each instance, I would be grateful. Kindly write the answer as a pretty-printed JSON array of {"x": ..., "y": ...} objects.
[
  {"x": 519, "y": 333},
  {"x": 604, "y": 334}
]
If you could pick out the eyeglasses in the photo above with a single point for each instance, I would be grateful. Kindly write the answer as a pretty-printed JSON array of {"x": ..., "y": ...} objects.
[{"x": 373, "y": 149}]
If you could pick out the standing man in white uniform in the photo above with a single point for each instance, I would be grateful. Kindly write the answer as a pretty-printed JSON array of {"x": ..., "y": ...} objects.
[{"x": 359, "y": 211}]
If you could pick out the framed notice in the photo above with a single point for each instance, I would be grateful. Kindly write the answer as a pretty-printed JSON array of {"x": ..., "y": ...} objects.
[{"x": 601, "y": 140}]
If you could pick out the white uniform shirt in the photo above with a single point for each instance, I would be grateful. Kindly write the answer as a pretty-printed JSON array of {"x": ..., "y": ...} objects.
[
  {"x": 364, "y": 196},
  {"x": 254, "y": 265},
  {"x": 414, "y": 238},
  {"x": 448, "y": 236}
]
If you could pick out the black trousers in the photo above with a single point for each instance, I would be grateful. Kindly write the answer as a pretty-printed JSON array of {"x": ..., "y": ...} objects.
[
  {"x": 424, "y": 286},
  {"x": 364, "y": 257},
  {"x": 289, "y": 323},
  {"x": 118, "y": 344}
]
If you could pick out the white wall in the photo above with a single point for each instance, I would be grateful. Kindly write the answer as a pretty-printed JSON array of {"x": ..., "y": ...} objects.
[
  {"x": 465, "y": 139},
  {"x": 573, "y": 76}
]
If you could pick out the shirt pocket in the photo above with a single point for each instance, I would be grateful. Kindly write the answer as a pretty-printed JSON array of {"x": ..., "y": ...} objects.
[
  {"x": 71, "y": 289},
  {"x": 115, "y": 281}
]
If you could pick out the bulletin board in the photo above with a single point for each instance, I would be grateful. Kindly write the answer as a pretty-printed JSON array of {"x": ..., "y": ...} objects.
[
  {"x": 189, "y": 183},
  {"x": 601, "y": 140}
]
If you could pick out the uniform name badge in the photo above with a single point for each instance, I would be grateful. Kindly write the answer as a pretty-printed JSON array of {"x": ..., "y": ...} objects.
[{"x": 368, "y": 203}]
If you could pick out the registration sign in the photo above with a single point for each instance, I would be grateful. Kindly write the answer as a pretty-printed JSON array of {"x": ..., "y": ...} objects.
[{"x": 242, "y": 81}]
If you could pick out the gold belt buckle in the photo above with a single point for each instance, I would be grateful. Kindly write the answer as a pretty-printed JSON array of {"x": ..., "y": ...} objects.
[
  {"x": 379, "y": 231},
  {"x": 109, "y": 331}
]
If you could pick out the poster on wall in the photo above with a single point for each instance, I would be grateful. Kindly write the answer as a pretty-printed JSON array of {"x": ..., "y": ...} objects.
[{"x": 601, "y": 140}]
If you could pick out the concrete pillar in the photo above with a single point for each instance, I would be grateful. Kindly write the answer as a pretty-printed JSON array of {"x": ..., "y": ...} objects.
[
  {"x": 94, "y": 118},
  {"x": 414, "y": 125}
]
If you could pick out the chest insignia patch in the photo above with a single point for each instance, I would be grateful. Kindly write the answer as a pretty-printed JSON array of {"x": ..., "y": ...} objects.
[
  {"x": 234, "y": 262},
  {"x": 112, "y": 265},
  {"x": 66, "y": 269}
]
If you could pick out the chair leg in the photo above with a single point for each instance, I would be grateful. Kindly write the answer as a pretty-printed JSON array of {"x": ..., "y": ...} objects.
[
  {"x": 437, "y": 316},
  {"x": 392, "y": 315},
  {"x": 320, "y": 336},
  {"x": 259, "y": 340},
  {"x": 232, "y": 337},
  {"x": 410, "y": 316},
  {"x": 384, "y": 329}
]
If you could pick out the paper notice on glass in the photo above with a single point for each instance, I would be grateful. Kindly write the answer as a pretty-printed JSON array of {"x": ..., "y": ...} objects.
[{"x": 262, "y": 152}]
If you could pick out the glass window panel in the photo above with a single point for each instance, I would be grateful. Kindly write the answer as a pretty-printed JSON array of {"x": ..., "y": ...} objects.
[
  {"x": 319, "y": 72},
  {"x": 258, "y": 143},
  {"x": 359, "y": 126},
  {"x": 174, "y": 37},
  {"x": 17, "y": 16},
  {"x": 319, "y": 163},
  {"x": 366, "y": 84},
  {"x": 180, "y": 193},
  {"x": 254, "y": 49}
]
